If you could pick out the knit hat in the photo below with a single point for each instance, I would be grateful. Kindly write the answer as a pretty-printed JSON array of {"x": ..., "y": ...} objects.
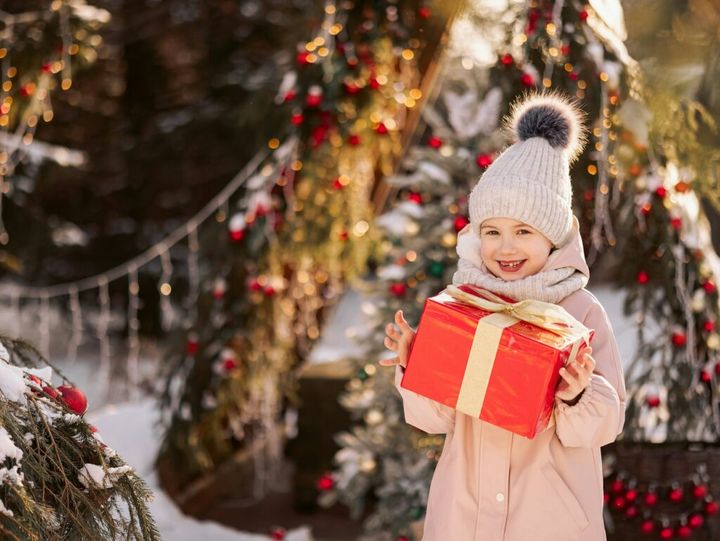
[{"x": 530, "y": 180}]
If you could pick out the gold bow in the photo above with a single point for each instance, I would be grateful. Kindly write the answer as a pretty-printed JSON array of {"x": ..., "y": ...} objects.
[{"x": 549, "y": 316}]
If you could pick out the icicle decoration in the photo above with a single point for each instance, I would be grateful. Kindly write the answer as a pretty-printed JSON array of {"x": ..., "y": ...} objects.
[
  {"x": 45, "y": 326},
  {"x": 133, "y": 341},
  {"x": 193, "y": 274},
  {"x": 102, "y": 333},
  {"x": 77, "y": 329},
  {"x": 166, "y": 310}
]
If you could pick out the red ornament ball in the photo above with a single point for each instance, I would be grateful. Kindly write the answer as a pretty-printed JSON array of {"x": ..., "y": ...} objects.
[
  {"x": 709, "y": 325},
  {"x": 696, "y": 520},
  {"x": 351, "y": 88},
  {"x": 676, "y": 223},
  {"x": 192, "y": 347},
  {"x": 711, "y": 507},
  {"x": 684, "y": 531},
  {"x": 302, "y": 57},
  {"x": 679, "y": 339},
  {"x": 325, "y": 483},
  {"x": 705, "y": 376},
  {"x": 643, "y": 277},
  {"x": 484, "y": 160},
  {"x": 435, "y": 142},
  {"x": 230, "y": 364},
  {"x": 381, "y": 129},
  {"x": 700, "y": 491},
  {"x": 619, "y": 503},
  {"x": 507, "y": 59},
  {"x": 278, "y": 534},
  {"x": 255, "y": 285},
  {"x": 313, "y": 100},
  {"x": 631, "y": 495},
  {"x": 296, "y": 119},
  {"x": 565, "y": 50},
  {"x": 573, "y": 76},
  {"x": 583, "y": 15},
  {"x": 398, "y": 289},
  {"x": 527, "y": 80},
  {"x": 374, "y": 83},
  {"x": 631, "y": 512},
  {"x": 460, "y": 222},
  {"x": 651, "y": 498},
  {"x": 236, "y": 235},
  {"x": 661, "y": 192},
  {"x": 289, "y": 95},
  {"x": 618, "y": 485},
  {"x": 424, "y": 12},
  {"x": 676, "y": 495},
  {"x": 337, "y": 185},
  {"x": 354, "y": 140},
  {"x": 653, "y": 401},
  {"x": 416, "y": 198},
  {"x": 647, "y": 527},
  {"x": 74, "y": 399},
  {"x": 709, "y": 287},
  {"x": 666, "y": 533},
  {"x": 269, "y": 291},
  {"x": 402, "y": 538},
  {"x": 47, "y": 67}
]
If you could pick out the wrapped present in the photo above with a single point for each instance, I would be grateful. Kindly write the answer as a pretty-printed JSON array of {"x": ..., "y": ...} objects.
[{"x": 492, "y": 358}]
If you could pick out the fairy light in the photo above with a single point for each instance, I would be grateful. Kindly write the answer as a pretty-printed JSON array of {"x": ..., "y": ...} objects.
[{"x": 166, "y": 309}]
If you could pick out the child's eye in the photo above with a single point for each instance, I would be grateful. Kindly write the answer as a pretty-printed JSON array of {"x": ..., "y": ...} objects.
[
  {"x": 524, "y": 231},
  {"x": 490, "y": 232}
]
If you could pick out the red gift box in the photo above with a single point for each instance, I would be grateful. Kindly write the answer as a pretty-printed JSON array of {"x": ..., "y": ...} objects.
[{"x": 487, "y": 360}]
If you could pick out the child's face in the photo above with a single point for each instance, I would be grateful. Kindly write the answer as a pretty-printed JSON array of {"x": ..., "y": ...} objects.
[{"x": 512, "y": 250}]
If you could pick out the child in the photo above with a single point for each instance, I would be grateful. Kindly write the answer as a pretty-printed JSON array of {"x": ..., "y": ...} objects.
[{"x": 523, "y": 242}]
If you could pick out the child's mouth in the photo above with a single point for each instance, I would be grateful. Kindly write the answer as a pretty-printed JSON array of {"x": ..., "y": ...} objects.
[{"x": 511, "y": 266}]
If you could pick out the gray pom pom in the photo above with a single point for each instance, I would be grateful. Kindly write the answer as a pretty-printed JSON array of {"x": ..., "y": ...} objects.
[{"x": 552, "y": 117}]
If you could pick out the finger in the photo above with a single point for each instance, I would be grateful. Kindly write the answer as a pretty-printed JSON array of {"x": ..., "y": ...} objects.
[
  {"x": 390, "y": 343},
  {"x": 569, "y": 378},
  {"x": 404, "y": 325},
  {"x": 573, "y": 368},
  {"x": 392, "y": 361},
  {"x": 392, "y": 331}
]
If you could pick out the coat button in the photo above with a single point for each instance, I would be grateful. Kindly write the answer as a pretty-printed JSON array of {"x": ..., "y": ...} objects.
[{"x": 500, "y": 496}]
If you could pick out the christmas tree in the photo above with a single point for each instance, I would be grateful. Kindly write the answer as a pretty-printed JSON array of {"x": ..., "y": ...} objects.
[
  {"x": 297, "y": 231},
  {"x": 623, "y": 182}
]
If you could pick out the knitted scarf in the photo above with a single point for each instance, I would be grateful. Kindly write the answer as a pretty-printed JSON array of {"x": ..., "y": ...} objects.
[{"x": 551, "y": 285}]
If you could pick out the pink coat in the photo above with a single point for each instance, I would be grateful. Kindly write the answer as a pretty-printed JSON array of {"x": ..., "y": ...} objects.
[{"x": 491, "y": 485}]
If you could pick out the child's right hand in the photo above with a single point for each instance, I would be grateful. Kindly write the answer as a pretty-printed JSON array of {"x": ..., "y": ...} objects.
[{"x": 398, "y": 341}]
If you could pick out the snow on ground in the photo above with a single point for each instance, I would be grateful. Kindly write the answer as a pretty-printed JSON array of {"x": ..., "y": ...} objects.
[{"x": 130, "y": 430}]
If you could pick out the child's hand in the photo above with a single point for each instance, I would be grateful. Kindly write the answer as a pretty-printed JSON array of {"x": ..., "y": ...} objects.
[
  {"x": 398, "y": 341},
  {"x": 576, "y": 376}
]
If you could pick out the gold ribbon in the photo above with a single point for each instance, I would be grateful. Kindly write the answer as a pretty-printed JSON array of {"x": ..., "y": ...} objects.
[{"x": 489, "y": 331}]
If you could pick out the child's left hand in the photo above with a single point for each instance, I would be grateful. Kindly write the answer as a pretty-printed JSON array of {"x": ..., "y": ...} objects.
[{"x": 575, "y": 376}]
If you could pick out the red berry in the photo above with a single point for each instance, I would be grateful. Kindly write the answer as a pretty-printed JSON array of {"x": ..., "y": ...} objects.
[
  {"x": 74, "y": 399},
  {"x": 643, "y": 277},
  {"x": 648, "y": 526},
  {"x": 679, "y": 339},
  {"x": 52, "y": 393},
  {"x": 676, "y": 495},
  {"x": 325, "y": 482},
  {"x": 711, "y": 508},
  {"x": 484, "y": 160},
  {"x": 507, "y": 59},
  {"x": 435, "y": 142},
  {"x": 460, "y": 222},
  {"x": 696, "y": 520},
  {"x": 527, "y": 80}
]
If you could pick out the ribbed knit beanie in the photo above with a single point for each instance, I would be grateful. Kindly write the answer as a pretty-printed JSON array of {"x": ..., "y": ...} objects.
[{"x": 530, "y": 180}]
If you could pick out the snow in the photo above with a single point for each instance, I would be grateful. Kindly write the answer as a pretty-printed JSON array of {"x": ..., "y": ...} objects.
[
  {"x": 12, "y": 384},
  {"x": 8, "y": 450},
  {"x": 96, "y": 475},
  {"x": 131, "y": 430}
]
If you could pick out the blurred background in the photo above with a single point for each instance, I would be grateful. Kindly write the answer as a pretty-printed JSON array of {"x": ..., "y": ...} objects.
[{"x": 211, "y": 209}]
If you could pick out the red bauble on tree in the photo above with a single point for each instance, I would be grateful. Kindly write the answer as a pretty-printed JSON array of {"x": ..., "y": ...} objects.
[
  {"x": 73, "y": 398},
  {"x": 278, "y": 534},
  {"x": 583, "y": 15},
  {"x": 398, "y": 289},
  {"x": 651, "y": 498},
  {"x": 709, "y": 287},
  {"x": 709, "y": 325},
  {"x": 696, "y": 520},
  {"x": 684, "y": 531},
  {"x": 381, "y": 129},
  {"x": 325, "y": 482},
  {"x": 484, "y": 160},
  {"x": 507, "y": 60},
  {"x": 666, "y": 533},
  {"x": 527, "y": 80},
  {"x": 192, "y": 346},
  {"x": 354, "y": 140},
  {"x": 653, "y": 401},
  {"x": 415, "y": 197},
  {"x": 255, "y": 285},
  {"x": 631, "y": 512},
  {"x": 297, "y": 118},
  {"x": 661, "y": 192},
  {"x": 435, "y": 142},
  {"x": 424, "y": 12},
  {"x": 676, "y": 223},
  {"x": 700, "y": 491},
  {"x": 676, "y": 494},
  {"x": 460, "y": 222},
  {"x": 679, "y": 339},
  {"x": 618, "y": 485},
  {"x": 647, "y": 527},
  {"x": 711, "y": 507}
]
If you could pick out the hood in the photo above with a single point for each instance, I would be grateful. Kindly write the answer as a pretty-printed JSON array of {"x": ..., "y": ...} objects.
[{"x": 570, "y": 254}]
